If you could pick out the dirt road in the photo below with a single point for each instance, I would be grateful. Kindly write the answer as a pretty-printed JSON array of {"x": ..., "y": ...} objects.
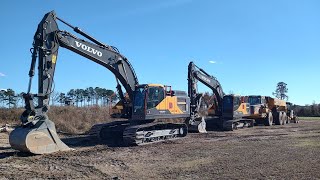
[{"x": 278, "y": 152}]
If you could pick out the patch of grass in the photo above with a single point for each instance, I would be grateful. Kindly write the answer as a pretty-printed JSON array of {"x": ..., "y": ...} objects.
[
  {"x": 309, "y": 118},
  {"x": 10, "y": 116},
  {"x": 308, "y": 143}
]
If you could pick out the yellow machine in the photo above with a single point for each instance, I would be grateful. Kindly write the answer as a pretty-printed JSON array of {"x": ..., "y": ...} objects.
[
  {"x": 117, "y": 110},
  {"x": 146, "y": 103},
  {"x": 267, "y": 110},
  {"x": 226, "y": 112}
]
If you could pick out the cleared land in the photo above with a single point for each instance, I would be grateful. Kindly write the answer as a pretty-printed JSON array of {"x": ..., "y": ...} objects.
[{"x": 277, "y": 152}]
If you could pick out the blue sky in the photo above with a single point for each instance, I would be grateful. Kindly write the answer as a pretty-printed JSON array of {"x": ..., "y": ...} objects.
[{"x": 253, "y": 44}]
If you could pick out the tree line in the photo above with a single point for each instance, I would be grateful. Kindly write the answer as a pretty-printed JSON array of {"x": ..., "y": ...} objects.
[
  {"x": 308, "y": 110},
  {"x": 78, "y": 97},
  {"x": 102, "y": 97}
]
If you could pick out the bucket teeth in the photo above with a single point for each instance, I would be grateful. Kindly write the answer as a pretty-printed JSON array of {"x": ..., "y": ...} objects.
[{"x": 39, "y": 139}]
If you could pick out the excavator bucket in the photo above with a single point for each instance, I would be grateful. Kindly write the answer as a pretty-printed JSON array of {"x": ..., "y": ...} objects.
[
  {"x": 40, "y": 138},
  {"x": 198, "y": 126}
]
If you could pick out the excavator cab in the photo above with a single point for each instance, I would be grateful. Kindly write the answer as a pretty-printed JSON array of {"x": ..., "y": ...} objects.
[
  {"x": 234, "y": 107},
  {"x": 154, "y": 101}
]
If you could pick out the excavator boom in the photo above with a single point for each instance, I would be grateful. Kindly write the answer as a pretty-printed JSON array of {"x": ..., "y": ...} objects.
[{"x": 37, "y": 133}]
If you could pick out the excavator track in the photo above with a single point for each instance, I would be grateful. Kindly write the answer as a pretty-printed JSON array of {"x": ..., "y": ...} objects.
[
  {"x": 134, "y": 133},
  {"x": 97, "y": 130},
  {"x": 153, "y": 132},
  {"x": 109, "y": 133},
  {"x": 231, "y": 125}
]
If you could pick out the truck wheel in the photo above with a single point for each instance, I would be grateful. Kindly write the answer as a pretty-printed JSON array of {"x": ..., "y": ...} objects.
[
  {"x": 281, "y": 118},
  {"x": 284, "y": 118},
  {"x": 269, "y": 120},
  {"x": 277, "y": 118},
  {"x": 295, "y": 120}
]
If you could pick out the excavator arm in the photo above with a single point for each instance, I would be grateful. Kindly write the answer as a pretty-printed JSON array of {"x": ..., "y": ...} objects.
[
  {"x": 37, "y": 134},
  {"x": 47, "y": 40},
  {"x": 195, "y": 74}
]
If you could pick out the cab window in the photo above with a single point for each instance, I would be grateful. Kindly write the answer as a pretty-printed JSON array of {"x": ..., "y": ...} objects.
[
  {"x": 227, "y": 103},
  {"x": 236, "y": 103},
  {"x": 155, "y": 96},
  {"x": 138, "y": 106}
]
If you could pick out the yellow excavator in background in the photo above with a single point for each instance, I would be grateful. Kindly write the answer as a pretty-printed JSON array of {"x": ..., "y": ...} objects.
[{"x": 118, "y": 110}]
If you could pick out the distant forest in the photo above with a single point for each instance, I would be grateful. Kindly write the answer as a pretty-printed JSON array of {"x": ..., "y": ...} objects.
[
  {"x": 308, "y": 110},
  {"x": 102, "y": 97},
  {"x": 78, "y": 97}
]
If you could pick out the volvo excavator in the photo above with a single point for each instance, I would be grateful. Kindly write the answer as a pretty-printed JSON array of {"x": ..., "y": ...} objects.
[
  {"x": 227, "y": 111},
  {"x": 146, "y": 102}
]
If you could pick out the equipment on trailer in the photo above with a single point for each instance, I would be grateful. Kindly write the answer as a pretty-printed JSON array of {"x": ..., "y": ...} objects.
[{"x": 146, "y": 102}]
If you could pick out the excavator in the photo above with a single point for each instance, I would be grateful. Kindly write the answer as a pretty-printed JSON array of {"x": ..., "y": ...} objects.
[
  {"x": 228, "y": 111},
  {"x": 145, "y": 104}
]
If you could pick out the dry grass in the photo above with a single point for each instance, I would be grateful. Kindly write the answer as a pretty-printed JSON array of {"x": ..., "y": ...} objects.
[
  {"x": 77, "y": 120},
  {"x": 309, "y": 118},
  {"x": 10, "y": 116},
  {"x": 69, "y": 119},
  {"x": 73, "y": 120}
]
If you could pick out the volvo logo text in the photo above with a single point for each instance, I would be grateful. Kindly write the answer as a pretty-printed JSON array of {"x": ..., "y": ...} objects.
[{"x": 88, "y": 48}]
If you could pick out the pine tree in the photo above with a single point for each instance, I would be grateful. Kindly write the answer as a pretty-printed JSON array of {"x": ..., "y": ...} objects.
[{"x": 281, "y": 91}]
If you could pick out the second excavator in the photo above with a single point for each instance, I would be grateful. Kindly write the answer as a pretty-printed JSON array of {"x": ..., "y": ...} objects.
[{"x": 227, "y": 112}]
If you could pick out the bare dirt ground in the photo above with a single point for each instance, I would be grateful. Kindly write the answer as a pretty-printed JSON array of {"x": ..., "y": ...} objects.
[{"x": 278, "y": 152}]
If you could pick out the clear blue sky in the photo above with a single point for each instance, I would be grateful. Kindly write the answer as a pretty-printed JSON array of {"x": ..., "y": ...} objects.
[{"x": 254, "y": 44}]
